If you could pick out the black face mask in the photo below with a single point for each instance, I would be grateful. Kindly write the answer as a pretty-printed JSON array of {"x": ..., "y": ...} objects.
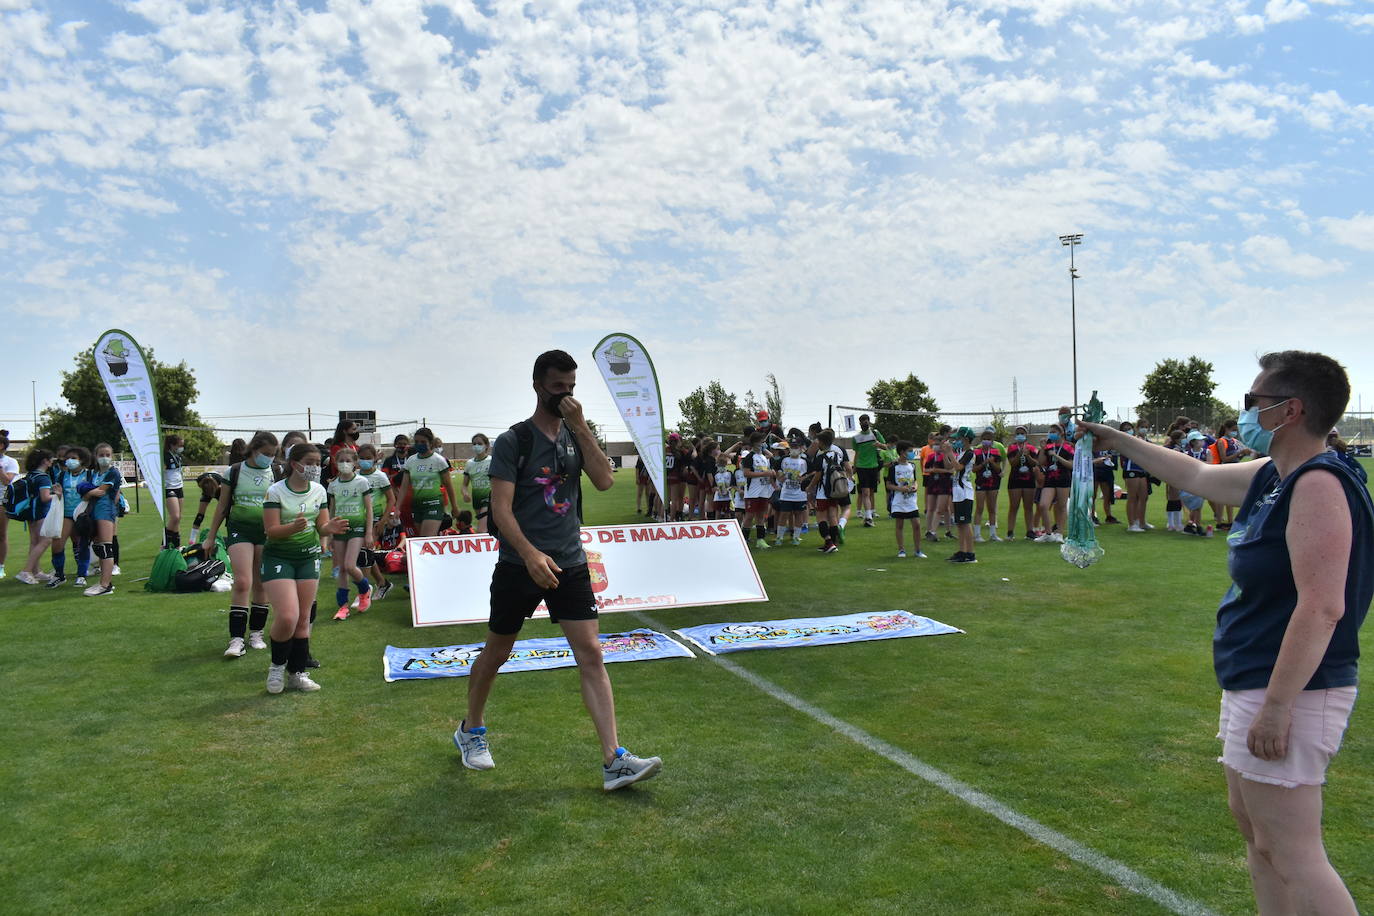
[
  {"x": 353, "y": 435},
  {"x": 550, "y": 401}
]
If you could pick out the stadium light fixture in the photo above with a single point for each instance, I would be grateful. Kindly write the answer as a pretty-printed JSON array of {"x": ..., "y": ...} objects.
[{"x": 1071, "y": 242}]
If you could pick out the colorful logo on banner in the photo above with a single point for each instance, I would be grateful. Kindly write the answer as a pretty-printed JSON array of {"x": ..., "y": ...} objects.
[
  {"x": 528, "y": 655},
  {"x": 719, "y": 638},
  {"x": 633, "y": 384},
  {"x": 129, "y": 383}
]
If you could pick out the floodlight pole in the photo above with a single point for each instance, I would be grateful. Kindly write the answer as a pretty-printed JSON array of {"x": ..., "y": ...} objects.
[{"x": 1071, "y": 242}]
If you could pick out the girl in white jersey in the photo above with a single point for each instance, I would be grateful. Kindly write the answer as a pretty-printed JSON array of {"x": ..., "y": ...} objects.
[
  {"x": 477, "y": 480},
  {"x": 173, "y": 488},
  {"x": 350, "y": 498},
  {"x": 383, "y": 507}
]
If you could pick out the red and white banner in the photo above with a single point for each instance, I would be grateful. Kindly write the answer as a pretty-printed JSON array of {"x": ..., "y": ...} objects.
[{"x": 633, "y": 567}]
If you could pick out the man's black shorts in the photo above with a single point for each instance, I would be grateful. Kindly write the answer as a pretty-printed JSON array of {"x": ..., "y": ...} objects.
[
  {"x": 963, "y": 511},
  {"x": 515, "y": 596},
  {"x": 868, "y": 478}
]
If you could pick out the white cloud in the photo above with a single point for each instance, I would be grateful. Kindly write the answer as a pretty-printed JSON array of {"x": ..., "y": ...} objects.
[
  {"x": 1355, "y": 232},
  {"x": 1274, "y": 254}
]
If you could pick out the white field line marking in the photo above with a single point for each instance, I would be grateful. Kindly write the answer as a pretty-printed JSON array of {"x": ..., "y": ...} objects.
[{"x": 1127, "y": 877}]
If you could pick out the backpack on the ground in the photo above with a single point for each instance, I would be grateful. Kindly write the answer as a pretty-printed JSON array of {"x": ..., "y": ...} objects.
[
  {"x": 21, "y": 499},
  {"x": 167, "y": 565},
  {"x": 524, "y": 440},
  {"x": 198, "y": 577}
]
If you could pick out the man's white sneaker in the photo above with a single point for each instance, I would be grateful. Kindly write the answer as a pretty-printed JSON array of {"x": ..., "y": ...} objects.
[
  {"x": 255, "y": 640},
  {"x": 25, "y": 577},
  {"x": 95, "y": 591},
  {"x": 472, "y": 743},
  {"x": 276, "y": 678},
  {"x": 301, "y": 681},
  {"x": 626, "y": 768},
  {"x": 235, "y": 649}
]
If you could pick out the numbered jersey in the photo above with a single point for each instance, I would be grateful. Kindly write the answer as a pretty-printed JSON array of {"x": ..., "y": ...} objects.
[
  {"x": 478, "y": 473},
  {"x": 350, "y": 499},
  {"x": 380, "y": 485},
  {"x": 245, "y": 502},
  {"x": 426, "y": 476},
  {"x": 293, "y": 505}
]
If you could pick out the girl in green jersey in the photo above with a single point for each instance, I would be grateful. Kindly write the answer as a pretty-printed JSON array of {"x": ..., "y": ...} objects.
[
  {"x": 350, "y": 498},
  {"x": 294, "y": 516},
  {"x": 383, "y": 507},
  {"x": 239, "y": 504},
  {"x": 428, "y": 479},
  {"x": 477, "y": 480}
]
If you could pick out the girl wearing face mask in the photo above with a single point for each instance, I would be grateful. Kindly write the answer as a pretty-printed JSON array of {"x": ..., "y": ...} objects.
[
  {"x": 240, "y": 504},
  {"x": 38, "y": 472},
  {"x": 428, "y": 479},
  {"x": 295, "y": 516},
  {"x": 103, "y": 504},
  {"x": 173, "y": 486},
  {"x": 477, "y": 481},
  {"x": 987, "y": 484},
  {"x": 796, "y": 477},
  {"x": 383, "y": 504},
  {"x": 1056, "y": 463},
  {"x": 1137, "y": 481},
  {"x": 69, "y": 478},
  {"x": 905, "y": 508},
  {"x": 350, "y": 498},
  {"x": 1023, "y": 479},
  {"x": 1195, "y": 447}
]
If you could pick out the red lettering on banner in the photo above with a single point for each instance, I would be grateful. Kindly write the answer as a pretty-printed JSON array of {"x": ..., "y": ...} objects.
[
  {"x": 619, "y": 535},
  {"x": 638, "y": 535},
  {"x": 428, "y": 549},
  {"x": 698, "y": 531},
  {"x": 605, "y": 537},
  {"x": 472, "y": 546},
  {"x": 586, "y": 537}
]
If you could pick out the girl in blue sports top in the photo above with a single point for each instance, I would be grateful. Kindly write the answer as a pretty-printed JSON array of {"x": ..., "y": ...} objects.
[
  {"x": 73, "y": 476},
  {"x": 38, "y": 472},
  {"x": 103, "y": 504},
  {"x": 173, "y": 488}
]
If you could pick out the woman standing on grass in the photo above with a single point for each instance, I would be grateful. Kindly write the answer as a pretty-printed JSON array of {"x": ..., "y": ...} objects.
[
  {"x": 240, "y": 503},
  {"x": 350, "y": 498},
  {"x": 75, "y": 470},
  {"x": 1286, "y": 643},
  {"x": 173, "y": 488},
  {"x": 1056, "y": 463},
  {"x": 38, "y": 472},
  {"x": 1023, "y": 479},
  {"x": 103, "y": 504},
  {"x": 294, "y": 516},
  {"x": 1137, "y": 481}
]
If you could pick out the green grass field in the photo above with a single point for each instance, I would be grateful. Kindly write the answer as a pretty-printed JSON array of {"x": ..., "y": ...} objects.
[{"x": 143, "y": 772}]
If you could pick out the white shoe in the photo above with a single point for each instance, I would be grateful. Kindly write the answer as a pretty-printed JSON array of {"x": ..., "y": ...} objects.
[
  {"x": 978, "y": 537},
  {"x": 80, "y": 582},
  {"x": 1057, "y": 538},
  {"x": 760, "y": 545},
  {"x": 626, "y": 768},
  {"x": 255, "y": 640},
  {"x": 25, "y": 577},
  {"x": 1045, "y": 539},
  {"x": 1149, "y": 527},
  {"x": 276, "y": 678},
  {"x": 117, "y": 571},
  {"x": 95, "y": 591},
  {"x": 2, "y": 570},
  {"x": 354, "y": 605},
  {"x": 901, "y": 554},
  {"x": 301, "y": 681},
  {"x": 472, "y": 743},
  {"x": 43, "y": 577},
  {"x": 994, "y": 537},
  {"x": 235, "y": 649},
  {"x": 1135, "y": 529}
]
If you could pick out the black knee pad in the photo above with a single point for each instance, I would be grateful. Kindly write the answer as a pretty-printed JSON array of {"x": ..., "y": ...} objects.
[{"x": 103, "y": 550}]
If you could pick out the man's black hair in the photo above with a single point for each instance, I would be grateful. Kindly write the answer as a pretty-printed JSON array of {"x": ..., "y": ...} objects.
[{"x": 553, "y": 360}]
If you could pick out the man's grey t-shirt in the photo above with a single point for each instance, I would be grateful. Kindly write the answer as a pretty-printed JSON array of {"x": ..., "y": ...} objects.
[{"x": 545, "y": 502}]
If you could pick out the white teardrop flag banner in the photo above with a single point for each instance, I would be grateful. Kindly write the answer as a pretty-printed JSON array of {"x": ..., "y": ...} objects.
[
  {"x": 633, "y": 383},
  {"x": 129, "y": 383}
]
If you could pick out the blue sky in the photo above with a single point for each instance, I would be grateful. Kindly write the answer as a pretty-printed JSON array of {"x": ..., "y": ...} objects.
[{"x": 396, "y": 205}]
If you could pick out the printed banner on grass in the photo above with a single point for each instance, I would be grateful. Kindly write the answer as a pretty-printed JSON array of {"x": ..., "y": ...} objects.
[
  {"x": 632, "y": 567},
  {"x": 528, "y": 655},
  {"x": 719, "y": 638},
  {"x": 129, "y": 383},
  {"x": 633, "y": 384}
]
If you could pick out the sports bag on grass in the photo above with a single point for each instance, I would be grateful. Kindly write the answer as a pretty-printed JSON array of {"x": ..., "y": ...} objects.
[
  {"x": 200, "y": 577},
  {"x": 167, "y": 565}
]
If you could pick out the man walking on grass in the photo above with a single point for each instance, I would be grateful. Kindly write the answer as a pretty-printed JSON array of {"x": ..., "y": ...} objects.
[{"x": 535, "y": 471}]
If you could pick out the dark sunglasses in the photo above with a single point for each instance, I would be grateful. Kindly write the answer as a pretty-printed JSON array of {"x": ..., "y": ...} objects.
[{"x": 1251, "y": 395}]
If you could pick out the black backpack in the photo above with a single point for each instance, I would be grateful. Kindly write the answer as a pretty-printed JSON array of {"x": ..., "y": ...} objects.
[
  {"x": 524, "y": 447},
  {"x": 199, "y": 576},
  {"x": 21, "y": 499}
]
